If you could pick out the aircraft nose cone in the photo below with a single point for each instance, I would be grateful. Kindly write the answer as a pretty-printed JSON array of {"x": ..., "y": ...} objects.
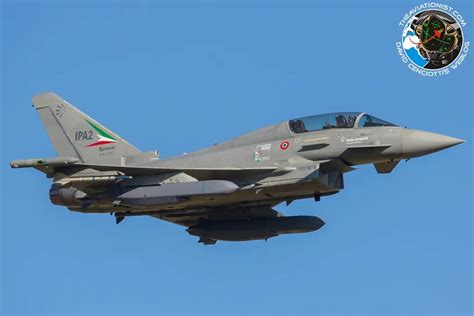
[{"x": 417, "y": 143}]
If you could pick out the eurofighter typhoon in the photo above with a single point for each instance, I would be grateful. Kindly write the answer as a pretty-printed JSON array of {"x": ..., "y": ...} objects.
[{"x": 227, "y": 191}]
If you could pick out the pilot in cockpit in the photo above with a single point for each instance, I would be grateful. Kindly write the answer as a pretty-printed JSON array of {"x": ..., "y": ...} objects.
[
  {"x": 341, "y": 121},
  {"x": 352, "y": 119},
  {"x": 298, "y": 126}
]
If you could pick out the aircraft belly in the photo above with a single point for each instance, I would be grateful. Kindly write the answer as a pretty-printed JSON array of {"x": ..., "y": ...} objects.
[
  {"x": 138, "y": 195},
  {"x": 268, "y": 195},
  {"x": 276, "y": 191}
]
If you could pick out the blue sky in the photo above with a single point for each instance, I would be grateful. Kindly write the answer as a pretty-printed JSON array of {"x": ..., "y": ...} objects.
[{"x": 180, "y": 76}]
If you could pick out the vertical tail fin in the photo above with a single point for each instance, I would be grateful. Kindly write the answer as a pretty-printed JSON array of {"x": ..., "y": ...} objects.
[{"x": 76, "y": 135}]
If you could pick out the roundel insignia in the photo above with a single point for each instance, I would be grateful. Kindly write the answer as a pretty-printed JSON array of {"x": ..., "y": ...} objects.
[{"x": 284, "y": 145}]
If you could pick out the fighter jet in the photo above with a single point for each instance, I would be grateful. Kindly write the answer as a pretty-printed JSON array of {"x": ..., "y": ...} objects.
[{"x": 227, "y": 191}]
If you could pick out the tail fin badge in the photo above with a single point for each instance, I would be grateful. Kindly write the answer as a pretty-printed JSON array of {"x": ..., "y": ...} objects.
[
  {"x": 104, "y": 137},
  {"x": 59, "y": 111}
]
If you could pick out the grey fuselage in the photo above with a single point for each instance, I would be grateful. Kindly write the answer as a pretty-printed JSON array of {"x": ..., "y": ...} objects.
[{"x": 309, "y": 164}]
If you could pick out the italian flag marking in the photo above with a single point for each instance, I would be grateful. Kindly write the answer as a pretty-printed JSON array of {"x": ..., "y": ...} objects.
[{"x": 104, "y": 137}]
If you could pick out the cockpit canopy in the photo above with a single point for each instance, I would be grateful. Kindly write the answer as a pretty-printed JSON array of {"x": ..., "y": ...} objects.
[
  {"x": 335, "y": 120},
  {"x": 371, "y": 121}
]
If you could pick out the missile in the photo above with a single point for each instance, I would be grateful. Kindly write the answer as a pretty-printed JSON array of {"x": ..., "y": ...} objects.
[
  {"x": 254, "y": 229},
  {"x": 104, "y": 179},
  {"x": 174, "y": 192}
]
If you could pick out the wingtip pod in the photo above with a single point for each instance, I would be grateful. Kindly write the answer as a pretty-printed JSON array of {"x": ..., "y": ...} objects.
[
  {"x": 46, "y": 99},
  {"x": 53, "y": 162}
]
